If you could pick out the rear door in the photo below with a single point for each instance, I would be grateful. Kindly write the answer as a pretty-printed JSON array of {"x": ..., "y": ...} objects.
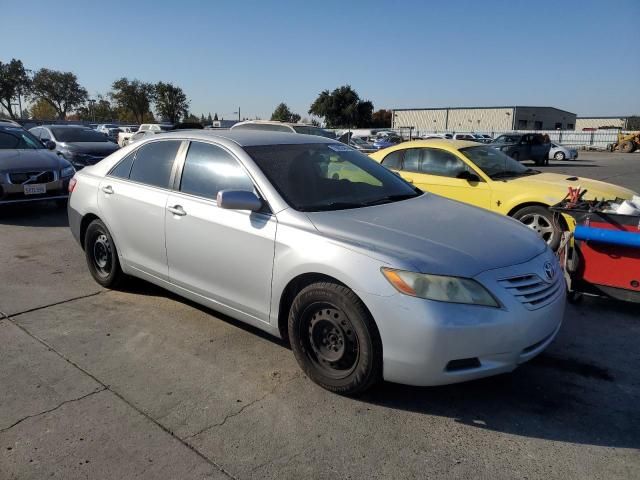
[
  {"x": 133, "y": 199},
  {"x": 223, "y": 255}
]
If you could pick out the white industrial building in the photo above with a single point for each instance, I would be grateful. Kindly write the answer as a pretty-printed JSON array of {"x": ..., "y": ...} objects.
[
  {"x": 483, "y": 119},
  {"x": 594, "y": 123}
]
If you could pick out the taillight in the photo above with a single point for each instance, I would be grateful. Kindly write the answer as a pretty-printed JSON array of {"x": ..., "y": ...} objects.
[{"x": 72, "y": 184}]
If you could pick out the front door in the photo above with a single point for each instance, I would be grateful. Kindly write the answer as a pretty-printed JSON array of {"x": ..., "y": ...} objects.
[
  {"x": 438, "y": 171},
  {"x": 223, "y": 255}
]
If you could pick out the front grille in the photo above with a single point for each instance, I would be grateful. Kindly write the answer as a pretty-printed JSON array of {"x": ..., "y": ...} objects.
[
  {"x": 31, "y": 177},
  {"x": 532, "y": 291}
]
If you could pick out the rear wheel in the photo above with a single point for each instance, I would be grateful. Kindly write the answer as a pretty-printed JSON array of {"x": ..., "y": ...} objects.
[
  {"x": 102, "y": 256},
  {"x": 334, "y": 338},
  {"x": 541, "y": 220},
  {"x": 627, "y": 146}
]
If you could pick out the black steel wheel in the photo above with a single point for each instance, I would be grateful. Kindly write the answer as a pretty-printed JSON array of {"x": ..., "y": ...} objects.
[
  {"x": 334, "y": 338},
  {"x": 101, "y": 255}
]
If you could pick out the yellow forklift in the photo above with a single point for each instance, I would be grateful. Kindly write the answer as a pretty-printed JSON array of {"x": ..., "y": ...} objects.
[{"x": 627, "y": 142}]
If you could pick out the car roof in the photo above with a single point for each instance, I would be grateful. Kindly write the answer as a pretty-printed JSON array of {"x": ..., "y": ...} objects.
[
  {"x": 439, "y": 143},
  {"x": 65, "y": 126},
  {"x": 249, "y": 138}
]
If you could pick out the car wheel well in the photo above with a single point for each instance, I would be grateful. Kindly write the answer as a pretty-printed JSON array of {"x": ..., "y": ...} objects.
[
  {"x": 289, "y": 294},
  {"x": 563, "y": 222},
  {"x": 84, "y": 224}
]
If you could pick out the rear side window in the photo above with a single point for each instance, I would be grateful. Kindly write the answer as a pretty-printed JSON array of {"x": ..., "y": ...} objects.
[
  {"x": 153, "y": 163},
  {"x": 393, "y": 160},
  {"x": 209, "y": 169},
  {"x": 123, "y": 169}
]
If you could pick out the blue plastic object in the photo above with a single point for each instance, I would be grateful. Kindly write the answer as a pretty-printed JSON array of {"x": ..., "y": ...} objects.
[{"x": 612, "y": 237}]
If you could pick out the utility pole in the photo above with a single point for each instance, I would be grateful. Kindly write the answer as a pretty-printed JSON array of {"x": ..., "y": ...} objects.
[{"x": 239, "y": 114}]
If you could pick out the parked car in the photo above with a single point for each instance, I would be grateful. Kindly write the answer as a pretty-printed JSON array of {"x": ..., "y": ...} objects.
[
  {"x": 387, "y": 141},
  {"x": 362, "y": 146},
  {"x": 486, "y": 177},
  {"x": 524, "y": 146},
  {"x": 105, "y": 127},
  {"x": 273, "y": 126},
  {"x": 428, "y": 136},
  {"x": 125, "y": 134},
  {"x": 367, "y": 276},
  {"x": 560, "y": 152},
  {"x": 80, "y": 145},
  {"x": 139, "y": 135},
  {"x": 29, "y": 170}
]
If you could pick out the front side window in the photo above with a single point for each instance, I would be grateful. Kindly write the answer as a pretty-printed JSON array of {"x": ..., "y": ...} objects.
[
  {"x": 441, "y": 163},
  {"x": 412, "y": 160},
  {"x": 209, "y": 169},
  {"x": 153, "y": 163},
  {"x": 317, "y": 177}
]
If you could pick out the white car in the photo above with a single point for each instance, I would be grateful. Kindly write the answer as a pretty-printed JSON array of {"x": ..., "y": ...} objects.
[
  {"x": 367, "y": 276},
  {"x": 560, "y": 152}
]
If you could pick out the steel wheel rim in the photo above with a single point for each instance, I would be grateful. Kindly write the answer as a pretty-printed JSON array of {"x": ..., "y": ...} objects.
[
  {"x": 329, "y": 340},
  {"x": 102, "y": 255},
  {"x": 539, "y": 224}
]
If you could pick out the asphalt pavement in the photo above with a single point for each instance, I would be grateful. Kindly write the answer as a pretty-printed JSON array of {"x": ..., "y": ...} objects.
[{"x": 139, "y": 383}]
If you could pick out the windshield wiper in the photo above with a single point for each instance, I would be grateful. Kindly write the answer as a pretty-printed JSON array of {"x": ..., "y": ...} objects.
[
  {"x": 331, "y": 206},
  {"x": 392, "y": 198}
]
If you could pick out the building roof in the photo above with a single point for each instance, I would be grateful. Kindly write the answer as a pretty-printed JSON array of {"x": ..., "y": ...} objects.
[{"x": 479, "y": 108}]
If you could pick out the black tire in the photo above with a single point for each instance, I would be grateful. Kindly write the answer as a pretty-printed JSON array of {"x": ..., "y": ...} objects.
[
  {"x": 559, "y": 156},
  {"x": 334, "y": 339},
  {"x": 102, "y": 256},
  {"x": 627, "y": 146},
  {"x": 541, "y": 220}
]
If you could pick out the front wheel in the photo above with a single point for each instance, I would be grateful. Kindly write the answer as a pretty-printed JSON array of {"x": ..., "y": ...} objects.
[
  {"x": 541, "y": 220},
  {"x": 559, "y": 156},
  {"x": 335, "y": 339},
  {"x": 102, "y": 256}
]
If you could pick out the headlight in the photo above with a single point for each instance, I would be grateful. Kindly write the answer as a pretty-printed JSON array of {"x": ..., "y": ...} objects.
[
  {"x": 68, "y": 171},
  {"x": 440, "y": 288}
]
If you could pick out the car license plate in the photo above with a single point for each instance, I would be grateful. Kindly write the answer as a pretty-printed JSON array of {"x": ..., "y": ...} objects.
[{"x": 35, "y": 189}]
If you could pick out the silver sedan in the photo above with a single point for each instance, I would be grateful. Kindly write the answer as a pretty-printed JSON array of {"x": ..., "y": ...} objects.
[
  {"x": 304, "y": 237},
  {"x": 560, "y": 152}
]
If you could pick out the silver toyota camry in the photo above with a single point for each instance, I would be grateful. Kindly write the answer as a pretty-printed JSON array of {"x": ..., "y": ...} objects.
[{"x": 306, "y": 238}]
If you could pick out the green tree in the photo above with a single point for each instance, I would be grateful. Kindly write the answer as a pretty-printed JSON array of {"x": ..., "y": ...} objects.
[
  {"x": 215, "y": 117},
  {"x": 171, "y": 102},
  {"x": 132, "y": 99},
  {"x": 190, "y": 118},
  {"x": 14, "y": 81},
  {"x": 283, "y": 114},
  {"x": 209, "y": 119},
  {"x": 381, "y": 118},
  {"x": 60, "y": 89},
  {"x": 42, "y": 110},
  {"x": 342, "y": 108},
  {"x": 101, "y": 111}
]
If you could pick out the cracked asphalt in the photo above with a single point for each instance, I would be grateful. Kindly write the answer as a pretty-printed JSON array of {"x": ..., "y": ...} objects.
[{"x": 139, "y": 383}]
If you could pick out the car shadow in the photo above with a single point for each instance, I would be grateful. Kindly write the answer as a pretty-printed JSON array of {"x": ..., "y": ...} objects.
[
  {"x": 553, "y": 397},
  {"x": 45, "y": 214}
]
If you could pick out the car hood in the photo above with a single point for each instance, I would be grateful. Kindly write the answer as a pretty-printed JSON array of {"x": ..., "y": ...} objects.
[
  {"x": 91, "y": 148},
  {"x": 433, "y": 234},
  {"x": 27, "y": 160},
  {"x": 555, "y": 187}
]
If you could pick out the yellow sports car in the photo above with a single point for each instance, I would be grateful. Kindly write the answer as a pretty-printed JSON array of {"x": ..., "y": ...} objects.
[{"x": 483, "y": 176}]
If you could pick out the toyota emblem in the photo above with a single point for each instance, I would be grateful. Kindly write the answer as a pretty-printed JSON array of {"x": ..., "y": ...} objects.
[{"x": 549, "y": 271}]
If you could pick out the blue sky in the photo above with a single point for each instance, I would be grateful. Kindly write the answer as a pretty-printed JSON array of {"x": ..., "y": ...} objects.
[{"x": 576, "y": 55}]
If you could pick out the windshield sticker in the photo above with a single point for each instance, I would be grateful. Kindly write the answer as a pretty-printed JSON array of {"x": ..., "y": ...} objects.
[{"x": 340, "y": 148}]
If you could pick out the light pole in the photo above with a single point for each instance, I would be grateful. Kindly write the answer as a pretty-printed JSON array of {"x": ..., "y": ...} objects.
[
  {"x": 238, "y": 112},
  {"x": 92, "y": 103},
  {"x": 16, "y": 104}
]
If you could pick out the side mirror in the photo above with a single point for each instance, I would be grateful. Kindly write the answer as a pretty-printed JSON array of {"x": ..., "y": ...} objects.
[
  {"x": 238, "y": 200},
  {"x": 50, "y": 145},
  {"x": 468, "y": 176}
]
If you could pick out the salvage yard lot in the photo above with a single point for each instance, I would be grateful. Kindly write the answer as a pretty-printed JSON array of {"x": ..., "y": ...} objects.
[{"x": 140, "y": 383}]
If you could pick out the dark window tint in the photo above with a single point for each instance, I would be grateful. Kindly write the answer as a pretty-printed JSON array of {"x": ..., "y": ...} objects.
[
  {"x": 393, "y": 160},
  {"x": 439, "y": 162},
  {"x": 209, "y": 169},
  {"x": 122, "y": 169},
  {"x": 153, "y": 163},
  {"x": 78, "y": 134},
  {"x": 412, "y": 160}
]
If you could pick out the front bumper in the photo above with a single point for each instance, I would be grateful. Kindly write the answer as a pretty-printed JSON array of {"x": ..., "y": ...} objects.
[
  {"x": 436, "y": 343},
  {"x": 14, "y": 193}
]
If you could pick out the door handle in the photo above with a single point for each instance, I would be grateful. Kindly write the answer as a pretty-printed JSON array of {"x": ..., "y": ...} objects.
[
  {"x": 108, "y": 189},
  {"x": 177, "y": 210}
]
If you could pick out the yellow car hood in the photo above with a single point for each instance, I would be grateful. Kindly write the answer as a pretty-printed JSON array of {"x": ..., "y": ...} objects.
[{"x": 554, "y": 187}]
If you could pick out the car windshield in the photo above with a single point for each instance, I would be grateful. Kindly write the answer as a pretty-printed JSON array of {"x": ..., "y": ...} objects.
[
  {"x": 359, "y": 141},
  {"x": 17, "y": 138},
  {"x": 318, "y": 177},
  {"x": 318, "y": 132},
  {"x": 494, "y": 163},
  {"x": 507, "y": 139},
  {"x": 78, "y": 135}
]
